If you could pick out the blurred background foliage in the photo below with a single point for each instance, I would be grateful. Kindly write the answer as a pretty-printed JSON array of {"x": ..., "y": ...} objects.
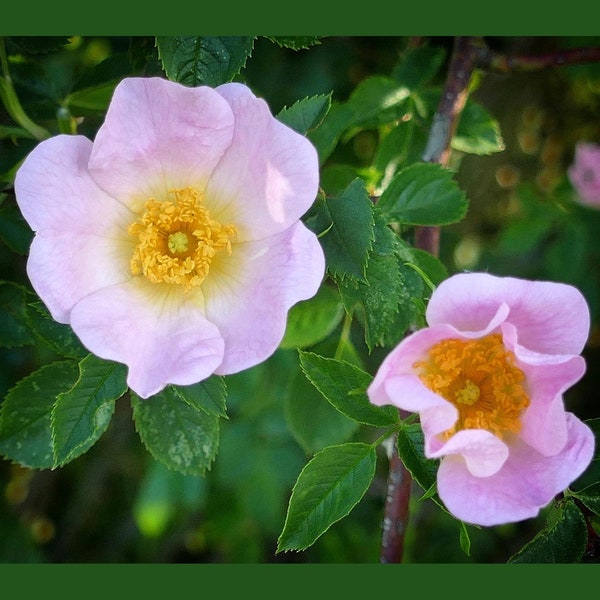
[{"x": 116, "y": 503}]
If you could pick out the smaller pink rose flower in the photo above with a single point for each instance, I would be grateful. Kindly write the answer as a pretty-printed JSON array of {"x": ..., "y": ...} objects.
[
  {"x": 487, "y": 377},
  {"x": 584, "y": 173},
  {"x": 173, "y": 242}
]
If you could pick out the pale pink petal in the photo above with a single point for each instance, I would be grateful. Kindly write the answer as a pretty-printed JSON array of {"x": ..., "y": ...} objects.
[
  {"x": 544, "y": 421},
  {"x": 269, "y": 176},
  {"x": 526, "y": 482},
  {"x": 483, "y": 453},
  {"x": 159, "y": 135},
  {"x": 248, "y": 299},
  {"x": 160, "y": 337},
  {"x": 548, "y": 376},
  {"x": 55, "y": 192},
  {"x": 551, "y": 318},
  {"x": 81, "y": 243},
  {"x": 64, "y": 268}
]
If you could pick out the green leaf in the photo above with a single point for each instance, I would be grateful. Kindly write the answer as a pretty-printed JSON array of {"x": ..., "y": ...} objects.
[
  {"x": 590, "y": 496},
  {"x": 14, "y": 329},
  {"x": 387, "y": 295},
  {"x": 411, "y": 449},
  {"x": 81, "y": 415},
  {"x": 181, "y": 436},
  {"x": 346, "y": 227},
  {"x": 431, "y": 266},
  {"x": 58, "y": 336},
  {"x": 465, "y": 540},
  {"x": 477, "y": 132},
  {"x": 313, "y": 421},
  {"x": 209, "y": 395},
  {"x": 424, "y": 194},
  {"x": 344, "y": 386},
  {"x": 311, "y": 321},
  {"x": 305, "y": 115},
  {"x": 562, "y": 542},
  {"x": 204, "y": 60},
  {"x": 295, "y": 42},
  {"x": 327, "y": 489},
  {"x": 418, "y": 66},
  {"x": 14, "y": 230},
  {"x": 403, "y": 145},
  {"x": 25, "y": 431}
]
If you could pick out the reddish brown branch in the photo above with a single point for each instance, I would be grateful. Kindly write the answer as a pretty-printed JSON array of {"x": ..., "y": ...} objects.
[{"x": 500, "y": 63}]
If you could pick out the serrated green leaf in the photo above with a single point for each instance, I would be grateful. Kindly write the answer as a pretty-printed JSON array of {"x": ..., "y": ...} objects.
[
  {"x": 344, "y": 386},
  {"x": 209, "y": 395},
  {"x": 346, "y": 224},
  {"x": 432, "y": 267},
  {"x": 306, "y": 114},
  {"x": 411, "y": 449},
  {"x": 58, "y": 336},
  {"x": 295, "y": 42},
  {"x": 477, "y": 132},
  {"x": 204, "y": 60},
  {"x": 562, "y": 542},
  {"x": 386, "y": 296},
  {"x": 311, "y": 321},
  {"x": 82, "y": 414},
  {"x": 14, "y": 329},
  {"x": 176, "y": 433},
  {"x": 424, "y": 194},
  {"x": 313, "y": 421},
  {"x": 25, "y": 431},
  {"x": 328, "y": 488}
]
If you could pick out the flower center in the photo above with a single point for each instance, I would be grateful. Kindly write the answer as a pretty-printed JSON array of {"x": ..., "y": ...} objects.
[
  {"x": 177, "y": 240},
  {"x": 480, "y": 378}
]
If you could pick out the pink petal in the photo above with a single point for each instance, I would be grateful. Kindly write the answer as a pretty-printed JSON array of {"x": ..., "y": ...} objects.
[
  {"x": 526, "y": 482},
  {"x": 483, "y": 453},
  {"x": 82, "y": 243},
  {"x": 160, "y": 337},
  {"x": 551, "y": 318},
  {"x": 269, "y": 176},
  {"x": 159, "y": 135},
  {"x": 249, "y": 298},
  {"x": 584, "y": 173},
  {"x": 55, "y": 192},
  {"x": 544, "y": 422}
]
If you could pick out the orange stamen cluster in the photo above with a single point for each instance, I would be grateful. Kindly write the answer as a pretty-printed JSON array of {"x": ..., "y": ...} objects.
[
  {"x": 480, "y": 378},
  {"x": 177, "y": 240}
]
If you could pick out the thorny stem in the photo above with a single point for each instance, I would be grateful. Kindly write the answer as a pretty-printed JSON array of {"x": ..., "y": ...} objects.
[{"x": 469, "y": 53}]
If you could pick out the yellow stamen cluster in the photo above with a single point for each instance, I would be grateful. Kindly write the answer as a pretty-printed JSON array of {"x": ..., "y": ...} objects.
[
  {"x": 480, "y": 378},
  {"x": 177, "y": 240}
]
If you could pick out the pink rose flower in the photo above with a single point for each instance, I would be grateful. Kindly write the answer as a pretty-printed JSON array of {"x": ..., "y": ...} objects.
[
  {"x": 487, "y": 378},
  {"x": 173, "y": 242},
  {"x": 584, "y": 173}
]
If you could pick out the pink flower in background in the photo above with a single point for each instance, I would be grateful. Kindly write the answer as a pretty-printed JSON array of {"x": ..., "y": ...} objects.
[
  {"x": 173, "y": 242},
  {"x": 584, "y": 173},
  {"x": 487, "y": 378}
]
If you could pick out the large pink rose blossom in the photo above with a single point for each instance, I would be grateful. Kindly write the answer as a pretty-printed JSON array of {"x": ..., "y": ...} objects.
[
  {"x": 487, "y": 377},
  {"x": 173, "y": 242},
  {"x": 584, "y": 173}
]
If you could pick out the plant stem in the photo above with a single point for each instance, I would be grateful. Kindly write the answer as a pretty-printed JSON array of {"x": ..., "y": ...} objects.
[{"x": 437, "y": 150}]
